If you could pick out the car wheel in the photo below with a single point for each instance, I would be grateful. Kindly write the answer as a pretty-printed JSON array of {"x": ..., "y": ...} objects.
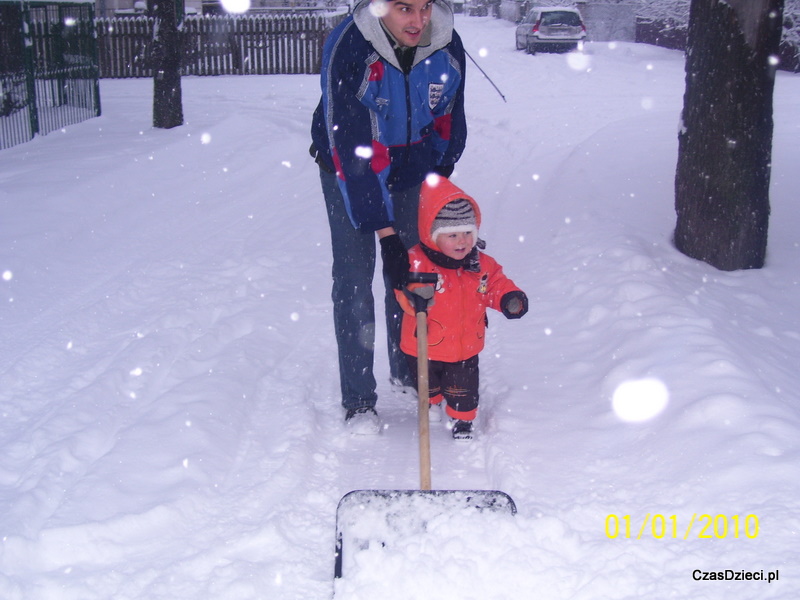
[
  {"x": 530, "y": 48},
  {"x": 516, "y": 41}
]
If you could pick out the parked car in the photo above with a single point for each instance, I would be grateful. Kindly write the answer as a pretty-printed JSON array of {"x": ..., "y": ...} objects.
[{"x": 553, "y": 29}]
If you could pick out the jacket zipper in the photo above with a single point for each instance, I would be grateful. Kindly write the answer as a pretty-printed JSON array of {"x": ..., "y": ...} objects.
[
  {"x": 408, "y": 116},
  {"x": 462, "y": 332}
]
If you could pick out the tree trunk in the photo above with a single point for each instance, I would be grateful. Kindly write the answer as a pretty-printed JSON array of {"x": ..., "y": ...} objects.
[
  {"x": 725, "y": 142},
  {"x": 167, "y": 100}
]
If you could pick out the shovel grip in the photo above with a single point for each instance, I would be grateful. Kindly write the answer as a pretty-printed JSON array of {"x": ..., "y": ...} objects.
[
  {"x": 429, "y": 278},
  {"x": 416, "y": 297}
]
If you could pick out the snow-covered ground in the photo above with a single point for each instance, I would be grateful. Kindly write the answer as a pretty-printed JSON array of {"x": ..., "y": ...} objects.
[{"x": 168, "y": 385}]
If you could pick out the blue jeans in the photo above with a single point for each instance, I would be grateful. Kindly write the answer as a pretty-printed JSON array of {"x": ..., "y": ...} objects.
[{"x": 354, "y": 258}]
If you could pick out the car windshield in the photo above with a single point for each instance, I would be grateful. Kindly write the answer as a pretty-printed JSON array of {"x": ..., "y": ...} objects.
[{"x": 561, "y": 18}]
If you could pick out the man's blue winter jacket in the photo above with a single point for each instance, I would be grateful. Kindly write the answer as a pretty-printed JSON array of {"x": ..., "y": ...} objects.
[{"x": 381, "y": 128}]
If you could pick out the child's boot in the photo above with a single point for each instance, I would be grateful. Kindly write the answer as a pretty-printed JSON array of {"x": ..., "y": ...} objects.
[{"x": 462, "y": 430}]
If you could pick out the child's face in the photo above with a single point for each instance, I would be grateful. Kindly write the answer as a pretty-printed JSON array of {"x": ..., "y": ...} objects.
[{"x": 456, "y": 245}]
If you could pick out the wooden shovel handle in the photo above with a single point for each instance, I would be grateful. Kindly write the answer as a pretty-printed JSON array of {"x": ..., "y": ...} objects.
[{"x": 424, "y": 402}]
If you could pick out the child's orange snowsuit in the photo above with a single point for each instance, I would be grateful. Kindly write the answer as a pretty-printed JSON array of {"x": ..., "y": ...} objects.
[{"x": 457, "y": 318}]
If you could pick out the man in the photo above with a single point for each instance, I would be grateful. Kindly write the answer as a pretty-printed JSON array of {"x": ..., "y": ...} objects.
[{"x": 392, "y": 111}]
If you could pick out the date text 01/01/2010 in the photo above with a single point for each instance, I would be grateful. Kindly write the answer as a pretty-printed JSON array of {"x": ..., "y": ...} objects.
[{"x": 659, "y": 526}]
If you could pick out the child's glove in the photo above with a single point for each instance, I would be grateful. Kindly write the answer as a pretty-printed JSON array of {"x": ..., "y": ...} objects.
[
  {"x": 514, "y": 304},
  {"x": 395, "y": 261}
]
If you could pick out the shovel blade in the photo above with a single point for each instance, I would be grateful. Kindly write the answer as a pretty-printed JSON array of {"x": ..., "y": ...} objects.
[{"x": 366, "y": 519}]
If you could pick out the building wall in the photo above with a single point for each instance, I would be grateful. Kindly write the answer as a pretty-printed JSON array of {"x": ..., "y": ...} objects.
[
  {"x": 604, "y": 22},
  {"x": 609, "y": 22}
]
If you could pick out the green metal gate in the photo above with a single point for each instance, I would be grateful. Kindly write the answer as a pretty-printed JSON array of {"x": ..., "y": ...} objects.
[{"x": 48, "y": 68}]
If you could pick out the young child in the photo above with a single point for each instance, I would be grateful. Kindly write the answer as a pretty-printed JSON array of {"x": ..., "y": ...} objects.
[{"x": 469, "y": 282}]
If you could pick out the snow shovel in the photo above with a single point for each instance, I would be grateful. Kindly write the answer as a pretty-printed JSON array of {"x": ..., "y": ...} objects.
[{"x": 369, "y": 520}]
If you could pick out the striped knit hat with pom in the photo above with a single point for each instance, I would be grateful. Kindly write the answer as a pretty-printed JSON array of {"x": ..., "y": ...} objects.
[{"x": 455, "y": 217}]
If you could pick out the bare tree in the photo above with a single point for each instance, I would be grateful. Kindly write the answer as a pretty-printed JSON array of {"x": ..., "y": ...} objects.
[
  {"x": 725, "y": 142},
  {"x": 670, "y": 11},
  {"x": 675, "y": 13},
  {"x": 791, "y": 26},
  {"x": 167, "y": 100}
]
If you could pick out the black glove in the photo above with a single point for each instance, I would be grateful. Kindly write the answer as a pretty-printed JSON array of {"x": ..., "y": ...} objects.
[
  {"x": 444, "y": 170},
  {"x": 514, "y": 304},
  {"x": 395, "y": 261}
]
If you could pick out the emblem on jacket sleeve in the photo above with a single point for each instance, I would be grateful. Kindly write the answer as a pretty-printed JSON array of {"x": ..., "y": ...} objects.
[{"x": 435, "y": 94}]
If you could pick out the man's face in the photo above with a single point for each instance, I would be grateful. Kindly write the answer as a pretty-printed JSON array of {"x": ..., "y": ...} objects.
[{"x": 405, "y": 19}]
